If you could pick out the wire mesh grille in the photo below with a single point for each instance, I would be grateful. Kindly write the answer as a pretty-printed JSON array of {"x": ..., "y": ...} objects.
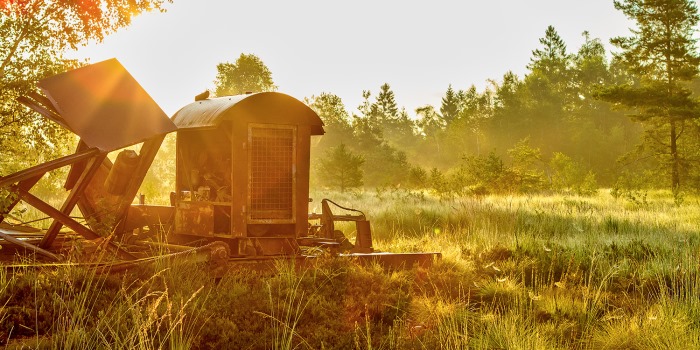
[{"x": 271, "y": 173}]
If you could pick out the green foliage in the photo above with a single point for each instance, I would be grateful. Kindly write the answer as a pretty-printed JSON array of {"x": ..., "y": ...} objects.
[
  {"x": 336, "y": 122},
  {"x": 661, "y": 52},
  {"x": 247, "y": 74},
  {"x": 160, "y": 178},
  {"x": 417, "y": 177},
  {"x": 568, "y": 175},
  {"x": 36, "y": 35},
  {"x": 341, "y": 168},
  {"x": 527, "y": 166},
  {"x": 450, "y": 107},
  {"x": 491, "y": 173}
]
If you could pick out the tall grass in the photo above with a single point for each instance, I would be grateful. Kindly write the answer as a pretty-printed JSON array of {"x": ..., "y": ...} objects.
[{"x": 518, "y": 272}]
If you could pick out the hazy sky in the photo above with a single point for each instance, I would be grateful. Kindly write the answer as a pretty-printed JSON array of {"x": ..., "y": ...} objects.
[{"x": 314, "y": 46}]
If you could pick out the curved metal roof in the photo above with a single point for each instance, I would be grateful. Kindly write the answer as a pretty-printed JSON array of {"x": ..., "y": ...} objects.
[{"x": 263, "y": 107}]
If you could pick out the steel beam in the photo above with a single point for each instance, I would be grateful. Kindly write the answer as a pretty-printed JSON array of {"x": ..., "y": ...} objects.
[
  {"x": 93, "y": 164},
  {"x": 68, "y": 221},
  {"x": 43, "y": 168}
]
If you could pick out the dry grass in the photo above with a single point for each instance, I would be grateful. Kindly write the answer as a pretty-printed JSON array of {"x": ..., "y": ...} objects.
[{"x": 518, "y": 272}]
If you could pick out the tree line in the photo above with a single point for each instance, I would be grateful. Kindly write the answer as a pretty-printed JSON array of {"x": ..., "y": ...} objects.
[{"x": 575, "y": 121}]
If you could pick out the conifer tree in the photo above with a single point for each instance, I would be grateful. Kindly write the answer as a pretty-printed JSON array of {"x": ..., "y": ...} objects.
[
  {"x": 450, "y": 105},
  {"x": 661, "y": 52},
  {"x": 341, "y": 168}
]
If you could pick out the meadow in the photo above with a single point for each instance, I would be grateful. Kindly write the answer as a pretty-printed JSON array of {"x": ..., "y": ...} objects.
[{"x": 607, "y": 271}]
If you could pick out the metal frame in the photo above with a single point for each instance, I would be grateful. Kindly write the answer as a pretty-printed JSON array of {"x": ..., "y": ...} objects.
[{"x": 21, "y": 182}]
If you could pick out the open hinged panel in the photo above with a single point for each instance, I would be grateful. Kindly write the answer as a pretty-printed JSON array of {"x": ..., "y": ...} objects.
[{"x": 104, "y": 106}]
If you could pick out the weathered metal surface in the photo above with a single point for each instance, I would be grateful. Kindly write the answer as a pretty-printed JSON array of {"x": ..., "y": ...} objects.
[
  {"x": 43, "y": 106},
  {"x": 195, "y": 218},
  {"x": 41, "y": 169},
  {"x": 105, "y": 212},
  {"x": 363, "y": 242},
  {"x": 118, "y": 177},
  {"x": 263, "y": 107},
  {"x": 104, "y": 105},
  {"x": 73, "y": 197},
  {"x": 67, "y": 221},
  {"x": 266, "y": 246},
  {"x": 247, "y": 157},
  {"x": 7, "y": 235},
  {"x": 158, "y": 218}
]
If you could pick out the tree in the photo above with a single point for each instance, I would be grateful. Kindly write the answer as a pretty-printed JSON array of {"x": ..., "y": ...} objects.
[
  {"x": 387, "y": 110},
  {"x": 341, "y": 168},
  {"x": 597, "y": 135},
  {"x": 429, "y": 123},
  {"x": 336, "y": 120},
  {"x": 549, "y": 88},
  {"x": 35, "y": 34},
  {"x": 662, "y": 54},
  {"x": 450, "y": 105},
  {"x": 247, "y": 74},
  {"x": 552, "y": 59},
  {"x": 384, "y": 118}
]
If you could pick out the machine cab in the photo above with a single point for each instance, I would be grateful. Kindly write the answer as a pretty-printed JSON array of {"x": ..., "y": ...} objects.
[{"x": 243, "y": 171}]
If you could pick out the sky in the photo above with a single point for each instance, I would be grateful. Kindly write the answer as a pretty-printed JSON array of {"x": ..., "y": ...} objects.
[{"x": 344, "y": 47}]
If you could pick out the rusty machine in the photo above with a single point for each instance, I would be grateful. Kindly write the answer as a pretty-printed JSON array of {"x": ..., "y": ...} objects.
[{"x": 242, "y": 174}]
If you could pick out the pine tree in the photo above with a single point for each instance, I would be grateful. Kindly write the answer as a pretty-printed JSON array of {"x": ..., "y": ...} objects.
[
  {"x": 386, "y": 104},
  {"x": 662, "y": 54},
  {"x": 341, "y": 168},
  {"x": 597, "y": 134},
  {"x": 549, "y": 91},
  {"x": 450, "y": 106},
  {"x": 552, "y": 60}
]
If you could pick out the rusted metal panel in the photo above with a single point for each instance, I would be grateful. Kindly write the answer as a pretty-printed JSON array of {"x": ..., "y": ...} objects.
[
  {"x": 156, "y": 217},
  {"x": 264, "y": 107},
  {"x": 207, "y": 113},
  {"x": 194, "y": 218},
  {"x": 104, "y": 105},
  {"x": 302, "y": 185},
  {"x": 363, "y": 242},
  {"x": 239, "y": 196},
  {"x": 204, "y": 164}
]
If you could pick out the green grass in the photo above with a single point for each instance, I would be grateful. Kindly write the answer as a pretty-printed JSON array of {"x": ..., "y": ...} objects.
[{"x": 518, "y": 272}]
